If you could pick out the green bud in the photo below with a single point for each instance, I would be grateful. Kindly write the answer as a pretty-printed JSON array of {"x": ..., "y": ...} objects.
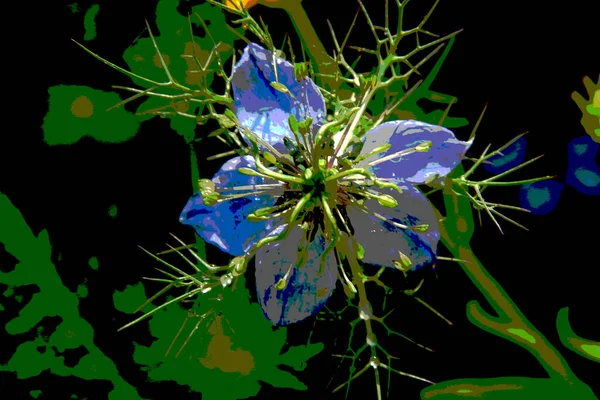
[
  {"x": 350, "y": 290},
  {"x": 305, "y": 125},
  {"x": 308, "y": 174},
  {"x": 293, "y": 122},
  {"x": 269, "y": 157},
  {"x": 403, "y": 263},
  {"x": 423, "y": 147},
  {"x": 381, "y": 149},
  {"x": 280, "y": 285},
  {"x": 237, "y": 266},
  {"x": 262, "y": 212},
  {"x": 248, "y": 171},
  {"x": 206, "y": 186},
  {"x": 387, "y": 201},
  {"x": 209, "y": 193},
  {"x": 360, "y": 252},
  {"x": 421, "y": 228},
  {"x": 252, "y": 217},
  {"x": 210, "y": 200},
  {"x": 280, "y": 87},
  {"x": 323, "y": 164}
]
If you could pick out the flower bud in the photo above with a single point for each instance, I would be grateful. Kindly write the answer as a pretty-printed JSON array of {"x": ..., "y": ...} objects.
[
  {"x": 360, "y": 250},
  {"x": 403, "y": 263},
  {"x": 424, "y": 146},
  {"x": 208, "y": 190},
  {"x": 387, "y": 201},
  {"x": 252, "y": 217},
  {"x": 305, "y": 125},
  {"x": 421, "y": 228},
  {"x": 381, "y": 149},
  {"x": 269, "y": 157},
  {"x": 280, "y": 285},
  {"x": 323, "y": 165},
  {"x": 280, "y": 87},
  {"x": 308, "y": 174},
  {"x": 350, "y": 290},
  {"x": 248, "y": 171},
  {"x": 293, "y": 122},
  {"x": 237, "y": 266}
]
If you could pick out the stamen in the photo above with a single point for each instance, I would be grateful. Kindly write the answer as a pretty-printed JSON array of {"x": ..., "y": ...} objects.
[
  {"x": 268, "y": 186},
  {"x": 296, "y": 211},
  {"x": 349, "y": 131},
  {"x": 424, "y": 146},
  {"x": 274, "y": 175},
  {"x": 379, "y": 216},
  {"x": 271, "y": 212},
  {"x": 254, "y": 139}
]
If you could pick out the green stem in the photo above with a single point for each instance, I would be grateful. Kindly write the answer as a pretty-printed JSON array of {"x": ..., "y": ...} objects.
[
  {"x": 310, "y": 40},
  {"x": 510, "y": 323}
]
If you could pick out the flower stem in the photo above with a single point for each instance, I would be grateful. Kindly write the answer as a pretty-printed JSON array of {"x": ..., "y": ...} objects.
[
  {"x": 510, "y": 323},
  {"x": 323, "y": 63}
]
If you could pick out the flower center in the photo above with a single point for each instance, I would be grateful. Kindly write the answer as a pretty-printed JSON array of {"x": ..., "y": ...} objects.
[{"x": 316, "y": 183}]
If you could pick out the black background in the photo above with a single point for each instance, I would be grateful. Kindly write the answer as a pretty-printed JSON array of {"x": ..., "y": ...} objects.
[{"x": 523, "y": 60}]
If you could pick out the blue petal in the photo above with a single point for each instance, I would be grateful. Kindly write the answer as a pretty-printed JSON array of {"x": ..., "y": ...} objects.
[
  {"x": 225, "y": 224},
  {"x": 583, "y": 173},
  {"x": 445, "y": 154},
  {"x": 541, "y": 197},
  {"x": 265, "y": 110},
  {"x": 511, "y": 157},
  {"x": 307, "y": 289},
  {"x": 382, "y": 240}
]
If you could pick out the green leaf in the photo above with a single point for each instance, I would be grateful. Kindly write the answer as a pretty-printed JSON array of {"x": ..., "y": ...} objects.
[
  {"x": 508, "y": 388},
  {"x": 78, "y": 111},
  {"x": 37, "y": 344}
]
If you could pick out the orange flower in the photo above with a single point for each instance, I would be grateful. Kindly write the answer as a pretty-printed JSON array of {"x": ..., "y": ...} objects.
[
  {"x": 239, "y": 3},
  {"x": 246, "y": 3}
]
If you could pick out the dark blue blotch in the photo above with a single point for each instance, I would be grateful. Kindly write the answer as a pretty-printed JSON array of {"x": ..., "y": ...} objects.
[
  {"x": 583, "y": 173},
  {"x": 541, "y": 197},
  {"x": 512, "y": 156}
]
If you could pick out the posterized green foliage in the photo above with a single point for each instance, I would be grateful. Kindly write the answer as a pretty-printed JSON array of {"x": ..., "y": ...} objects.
[
  {"x": 78, "y": 111},
  {"x": 51, "y": 300},
  {"x": 215, "y": 344}
]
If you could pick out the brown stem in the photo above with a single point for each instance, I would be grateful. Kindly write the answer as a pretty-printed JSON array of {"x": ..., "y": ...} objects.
[
  {"x": 456, "y": 231},
  {"x": 323, "y": 63}
]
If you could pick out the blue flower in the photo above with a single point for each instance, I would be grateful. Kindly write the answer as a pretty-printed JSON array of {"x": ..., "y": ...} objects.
[{"x": 296, "y": 276}]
